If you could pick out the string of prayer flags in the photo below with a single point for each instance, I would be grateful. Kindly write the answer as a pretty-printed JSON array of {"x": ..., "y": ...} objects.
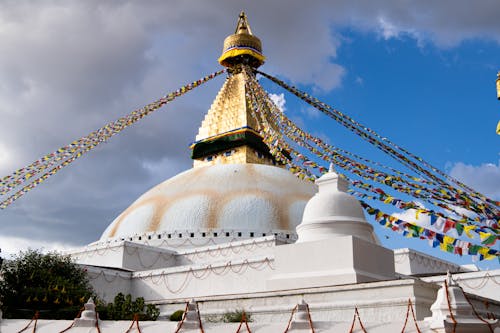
[
  {"x": 444, "y": 242},
  {"x": 298, "y": 136},
  {"x": 277, "y": 129},
  {"x": 465, "y": 197},
  {"x": 60, "y": 158}
]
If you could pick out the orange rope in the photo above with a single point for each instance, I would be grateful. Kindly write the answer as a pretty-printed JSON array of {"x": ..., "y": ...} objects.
[
  {"x": 290, "y": 320},
  {"x": 199, "y": 318},
  {"x": 356, "y": 314},
  {"x": 35, "y": 318},
  {"x": 475, "y": 312},
  {"x": 244, "y": 319},
  {"x": 310, "y": 319},
  {"x": 410, "y": 307},
  {"x": 135, "y": 321},
  {"x": 406, "y": 318},
  {"x": 73, "y": 323},
  {"x": 97, "y": 323},
  {"x": 449, "y": 306},
  {"x": 183, "y": 318}
]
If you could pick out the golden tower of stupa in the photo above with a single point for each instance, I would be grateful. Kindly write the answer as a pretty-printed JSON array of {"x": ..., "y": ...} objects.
[{"x": 228, "y": 133}]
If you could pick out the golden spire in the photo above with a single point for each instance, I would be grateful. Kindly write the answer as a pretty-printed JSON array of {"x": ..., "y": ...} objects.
[
  {"x": 498, "y": 85},
  {"x": 228, "y": 133},
  {"x": 498, "y": 96},
  {"x": 242, "y": 47}
]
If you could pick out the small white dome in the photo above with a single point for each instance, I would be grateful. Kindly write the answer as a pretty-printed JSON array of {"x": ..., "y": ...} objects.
[
  {"x": 251, "y": 197},
  {"x": 332, "y": 212}
]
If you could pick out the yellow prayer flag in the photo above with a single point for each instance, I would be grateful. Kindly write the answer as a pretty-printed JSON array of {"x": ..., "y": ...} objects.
[
  {"x": 448, "y": 240},
  {"x": 388, "y": 200},
  {"x": 468, "y": 229},
  {"x": 483, "y": 251},
  {"x": 484, "y": 235}
]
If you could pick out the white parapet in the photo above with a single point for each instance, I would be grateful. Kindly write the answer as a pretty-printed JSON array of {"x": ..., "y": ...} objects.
[{"x": 336, "y": 261}]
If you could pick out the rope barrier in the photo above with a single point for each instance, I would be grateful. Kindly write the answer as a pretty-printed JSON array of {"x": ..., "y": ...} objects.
[
  {"x": 74, "y": 320},
  {"x": 410, "y": 307},
  {"x": 356, "y": 315},
  {"x": 475, "y": 312},
  {"x": 243, "y": 319},
  {"x": 487, "y": 276},
  {"x": 182, "y": 319},
  {"x": 309, "y": 317},
  {"x": 199, "y": 317},
  {"x": 449, "y": 306},
  {"x": 290, "y": 320},
  {"x": 35, "y": 319},
  {"x": 135, "y": 321},
  {"x": 97, "y": 322}
]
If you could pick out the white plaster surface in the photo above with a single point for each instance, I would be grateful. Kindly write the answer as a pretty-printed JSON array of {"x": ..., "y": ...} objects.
[
  {"x": 51, "y": 326},
  {"x": 411, "y": 262},
  {"x": 215, "y": 197},
  {"x": 452, "y": 310},
  {"x": 125, "y": 255},
  {"x": 332, "y": 212},
  {"x": 333, "y": 261},
  {"x": 483, "y": 283}
]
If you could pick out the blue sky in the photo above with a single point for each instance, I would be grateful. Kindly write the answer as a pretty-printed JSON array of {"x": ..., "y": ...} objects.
[{"x": 422, "y": 74}]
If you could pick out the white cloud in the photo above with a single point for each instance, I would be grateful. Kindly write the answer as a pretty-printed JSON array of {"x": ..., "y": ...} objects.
[
  {"x": 388, "y": 30},
  {"x": 484, "y": 178},
  {"x": 279, "y": 100},
  {"x": 421, "y": 219},
  {"x": 11, "y": 246}
]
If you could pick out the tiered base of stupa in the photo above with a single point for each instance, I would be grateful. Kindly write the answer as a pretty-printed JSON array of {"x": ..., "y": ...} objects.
[
  {"x": 255, "y": 275},
  {"x": 258, "y": 276},
  {"x": 335, "y": 264}
]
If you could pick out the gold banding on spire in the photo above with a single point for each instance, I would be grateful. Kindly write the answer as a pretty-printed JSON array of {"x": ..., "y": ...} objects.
[
  {"x": 498, "y": 97},
  {"x": 229, "y": 133},
  {"x": 498, "y": 85},
  {"x": 242, "y": 47}
]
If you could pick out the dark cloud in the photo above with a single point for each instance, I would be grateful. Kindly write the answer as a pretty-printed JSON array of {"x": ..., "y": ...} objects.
[{"x": 67, "y": 68}]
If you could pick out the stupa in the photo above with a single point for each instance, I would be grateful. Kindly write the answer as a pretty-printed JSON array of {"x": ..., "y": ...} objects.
[
  {"x": 239, "y": 231},
  {"x": 236, "y": 189}
]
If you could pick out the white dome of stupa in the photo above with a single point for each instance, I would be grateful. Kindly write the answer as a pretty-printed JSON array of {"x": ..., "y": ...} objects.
[{"x": 242, "y": 197}]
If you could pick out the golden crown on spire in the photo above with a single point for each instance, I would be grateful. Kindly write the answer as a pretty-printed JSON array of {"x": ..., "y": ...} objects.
[{"x": 242, "y": 47}]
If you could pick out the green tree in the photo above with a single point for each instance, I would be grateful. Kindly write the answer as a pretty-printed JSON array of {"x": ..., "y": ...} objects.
[
  {"x": 124, "y": 308},
  {"x": 49, "y": 283}
]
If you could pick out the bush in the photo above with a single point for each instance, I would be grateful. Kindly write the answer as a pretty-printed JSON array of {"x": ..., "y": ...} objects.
[
  {"x": 124, "y": 308},
  {"x": 177, "y": 315},
  {"x": 235, "y": 316},
  {"x": 50, "y": 283}
]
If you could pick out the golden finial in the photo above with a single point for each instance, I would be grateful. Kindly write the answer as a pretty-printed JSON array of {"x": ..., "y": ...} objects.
[
  {"x": 242, "y": 47},
  {"x": 243, "y": 27},
  {"x": 498, "y": 96},
  {"x": 498, "y": 85}
]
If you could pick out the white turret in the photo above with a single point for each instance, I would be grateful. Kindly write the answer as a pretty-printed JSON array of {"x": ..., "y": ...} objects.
[
  {"x": 332, "y": 213},
  {"x": 452, "y": 312},
  {"x": 344, "y": 247},
  {"x": 88, "y": 317}
]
